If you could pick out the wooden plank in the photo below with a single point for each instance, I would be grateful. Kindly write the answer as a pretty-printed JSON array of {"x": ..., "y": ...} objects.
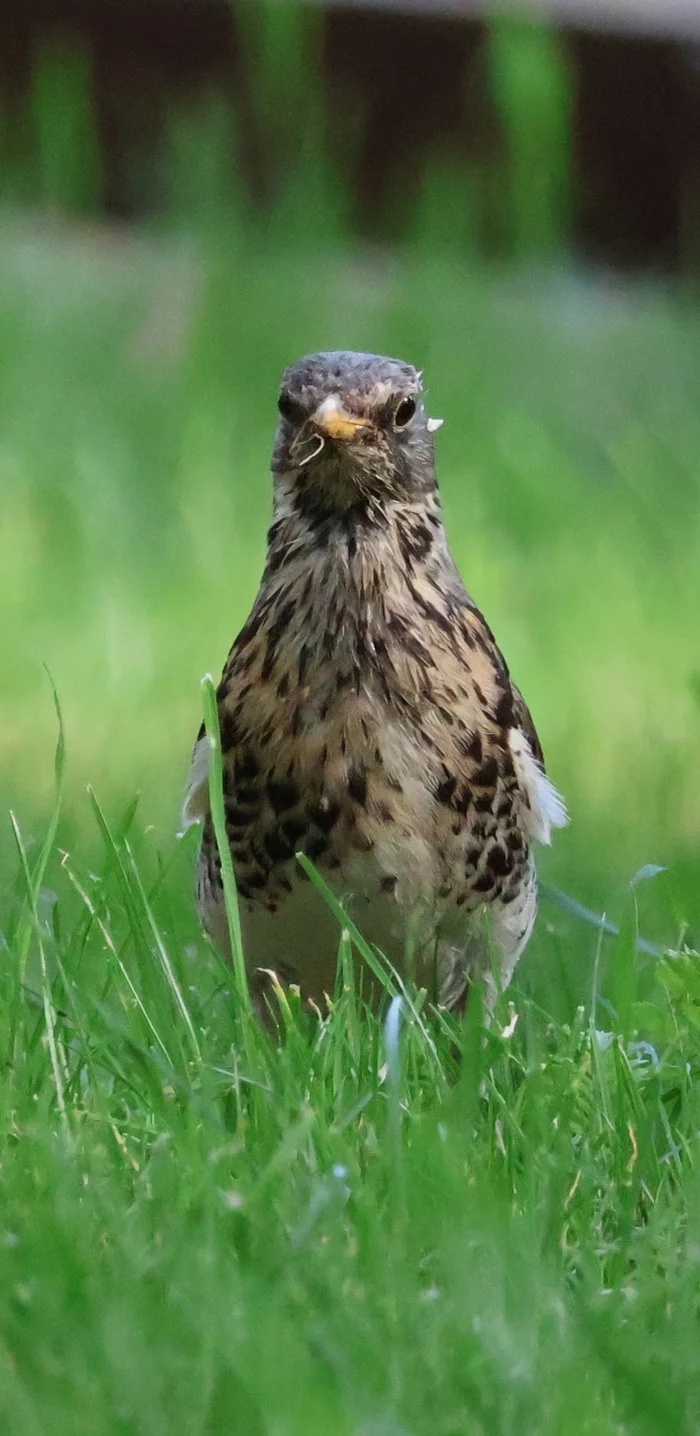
[{"x": 671, "y": 19}]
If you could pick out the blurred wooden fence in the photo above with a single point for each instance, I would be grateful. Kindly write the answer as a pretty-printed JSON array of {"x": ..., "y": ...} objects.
[
  {"x": 679, "y": 19},
  {"x": 420, "y": 76}
]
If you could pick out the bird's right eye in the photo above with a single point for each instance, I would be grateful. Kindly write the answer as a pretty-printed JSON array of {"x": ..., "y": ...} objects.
[{"x": 289, "y": 408}]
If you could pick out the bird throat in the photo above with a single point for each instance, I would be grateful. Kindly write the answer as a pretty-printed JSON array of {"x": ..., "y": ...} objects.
[{"x": 348, "y": 588}]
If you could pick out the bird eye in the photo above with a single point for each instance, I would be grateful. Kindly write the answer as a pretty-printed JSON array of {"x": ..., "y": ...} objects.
[
  {"x": 289, "y": 408},
  {"x": 404, "y": 413}
]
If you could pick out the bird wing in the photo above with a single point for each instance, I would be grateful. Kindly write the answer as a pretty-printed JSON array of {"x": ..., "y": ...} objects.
[
  {"x": 546, "y": 807},
  {"x": 502, "y": 704},
  {"x": 522, "y": 719}
]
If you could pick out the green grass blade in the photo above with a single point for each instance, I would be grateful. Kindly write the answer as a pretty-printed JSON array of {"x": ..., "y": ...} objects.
[{"x": 218, "y": 814}]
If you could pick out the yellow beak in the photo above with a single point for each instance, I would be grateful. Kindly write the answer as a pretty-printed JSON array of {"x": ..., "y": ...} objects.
[{"x": 333, "y": 420}]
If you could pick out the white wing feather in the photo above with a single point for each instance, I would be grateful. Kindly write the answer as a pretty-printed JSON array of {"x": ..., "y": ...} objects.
[{"x": 547, "y": 807}]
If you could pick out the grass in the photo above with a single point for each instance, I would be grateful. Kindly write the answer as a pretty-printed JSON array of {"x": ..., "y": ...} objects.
[
  {"x": 351, "y": 1231},
  {"x": 202, "y": 1231}
]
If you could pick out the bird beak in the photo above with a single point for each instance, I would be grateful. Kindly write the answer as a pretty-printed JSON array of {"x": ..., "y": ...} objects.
[{"x": 333, "y": 421}]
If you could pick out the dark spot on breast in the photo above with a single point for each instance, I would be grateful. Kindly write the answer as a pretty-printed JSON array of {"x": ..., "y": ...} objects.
[
  {"x": 262, "y": 857},
  {"x": 431, "y": 611},
  {"x": 283, "y": 686},
  {"x": 275, "y": 558},
  {"x": 466, "y": 633},
  {"x": 324, "y": 814},
  {"x": 504, "y": 808},
  {"x": 315, "y": 845},
  {"x": 404, "y": 634},
  {"x": 483, "y": 804},
  {"x": 471, "y": 747},
  {"x": 256, "y": 879},
  {"x": 499, "y": 862},
  {"x": 486, "y": 775},
  {"x": 229, "y": 731},
  {"x": 294, "y": 829},
  {"x": 445, "y": 790},
  {"x": 357, "y": 784},
  {"x": 483, "y": 884},
  {"x": 463, "y": 801},
  {"x": 388, "y": 883},
  {"x": 282, "y": 794},
  {"x": 278, "y": 847},
  {"x": 280, "y": 622},
  {"x": 240, "y": 817},
  {"x": 246, "y": 662},
  {"x": 245, "y": 766},
  {"x": 514, "y": 842},
  {"x": 415, "y": 542},
  {"x": 383, "y": 813},
  {"x": 274, "y": 633},
  {"x": 303, "y": 661},
  {"x": 248, "y": 796},
  {"x": 504, "y": 709}
]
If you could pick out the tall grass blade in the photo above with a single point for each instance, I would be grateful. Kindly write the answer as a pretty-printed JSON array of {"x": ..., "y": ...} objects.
[{"x": 218, "y": 815}]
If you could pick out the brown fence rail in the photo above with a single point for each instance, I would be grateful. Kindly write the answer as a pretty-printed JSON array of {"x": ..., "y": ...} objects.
[
  {"x": 414, "y": 77},
  {"x": 678, "y": 19}
]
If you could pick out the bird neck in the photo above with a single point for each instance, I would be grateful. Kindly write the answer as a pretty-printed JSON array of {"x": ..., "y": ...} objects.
[
  {"x": 353, "y": 587},
  {"x": 359, "y": 549}
]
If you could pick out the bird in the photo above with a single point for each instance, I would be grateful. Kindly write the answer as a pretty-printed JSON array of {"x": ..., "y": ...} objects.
[{"x": 367, "y": 716}]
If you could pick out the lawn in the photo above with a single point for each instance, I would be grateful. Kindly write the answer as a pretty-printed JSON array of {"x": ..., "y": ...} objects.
[{"x": 351, "y": 1232}]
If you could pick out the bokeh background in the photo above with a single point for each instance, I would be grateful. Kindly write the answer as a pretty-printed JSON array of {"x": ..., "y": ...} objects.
[{"x": 193, "y": 195}]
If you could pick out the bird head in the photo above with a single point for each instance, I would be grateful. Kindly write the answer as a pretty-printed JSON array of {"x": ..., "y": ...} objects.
[{"x": 353, "y": 429}]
